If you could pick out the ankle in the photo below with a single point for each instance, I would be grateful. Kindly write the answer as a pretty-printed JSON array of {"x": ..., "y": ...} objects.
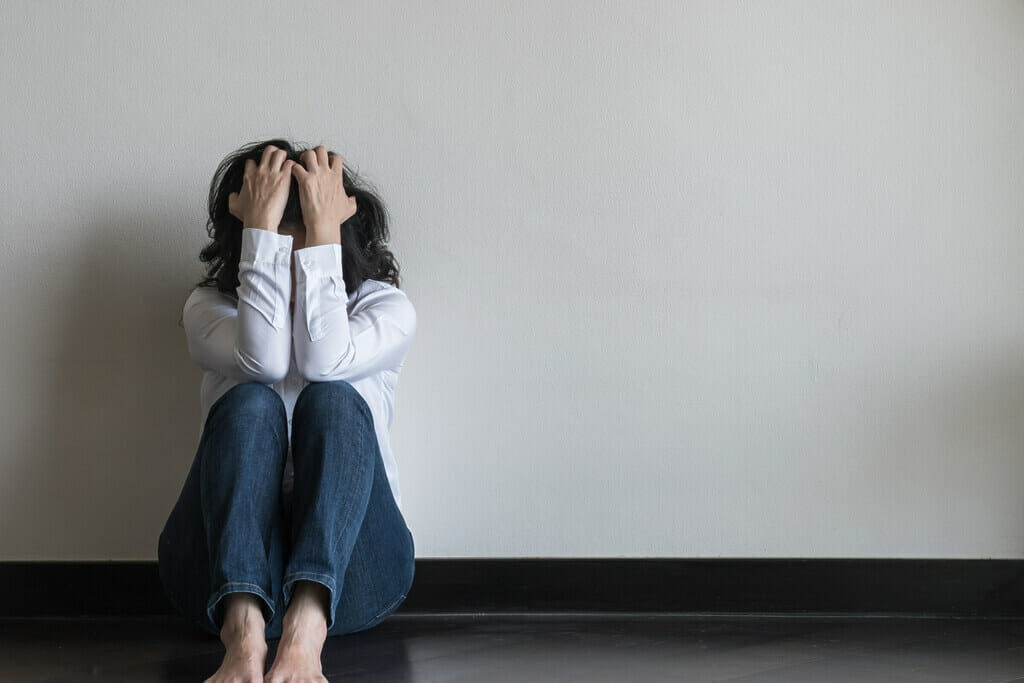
[
  {"x": 309, "y": 604},
  {"x": 303, "y": 626},
  {"x": 243, "y": 620},
  {"x": 305, "y": 622}
]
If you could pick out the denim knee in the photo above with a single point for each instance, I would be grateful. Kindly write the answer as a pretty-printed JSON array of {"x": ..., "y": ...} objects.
[
  {"x": 338, "y": 395},
  {"x": 253, "y": 398}
]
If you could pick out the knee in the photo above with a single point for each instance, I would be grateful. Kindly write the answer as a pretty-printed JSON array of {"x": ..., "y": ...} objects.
[
  {"x": 254, "y": 399},
  {"x": 335, "y": 397},
  {"x": 251, "y": 397}
]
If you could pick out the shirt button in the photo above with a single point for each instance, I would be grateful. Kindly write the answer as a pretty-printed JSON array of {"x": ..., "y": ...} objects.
[
  {"x": 307, "y": 263},
  {"x": 283, "y": 249}
]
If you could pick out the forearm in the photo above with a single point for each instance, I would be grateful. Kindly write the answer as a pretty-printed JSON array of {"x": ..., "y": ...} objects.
[
  {"x": 262, "y": 340},
  {"x": 336, "y": 341},
  {"x": 320, "y": 327},
  {"x": 247, "y": 336}
]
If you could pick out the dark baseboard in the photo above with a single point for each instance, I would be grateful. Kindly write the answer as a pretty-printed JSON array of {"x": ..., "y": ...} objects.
[{"x": 941, "y": 588}]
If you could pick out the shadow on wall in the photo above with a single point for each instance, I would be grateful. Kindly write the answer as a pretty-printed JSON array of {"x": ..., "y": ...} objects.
[
  {"x": 118, "y": 421},
  {"x": 943, "y": 459}
]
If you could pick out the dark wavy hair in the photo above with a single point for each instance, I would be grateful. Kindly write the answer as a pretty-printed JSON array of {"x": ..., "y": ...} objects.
[{"x": 364, "y": 236}]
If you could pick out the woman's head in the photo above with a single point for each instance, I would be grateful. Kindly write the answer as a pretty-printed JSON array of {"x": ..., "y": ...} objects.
[{"x": 364, "y": 236}]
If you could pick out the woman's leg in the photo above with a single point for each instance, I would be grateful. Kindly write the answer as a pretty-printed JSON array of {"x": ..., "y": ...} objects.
[
  {"x": 339, "y": 470},
  {"x": 351, "y": 554},
  {"x": 381, "y": 567},
  {"x": 221, "y": 551}
]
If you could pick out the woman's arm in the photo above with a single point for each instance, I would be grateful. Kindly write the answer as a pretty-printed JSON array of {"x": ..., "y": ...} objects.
[
  {"x": 331, "y": 343},
  {"x": 249, "y": 341}
]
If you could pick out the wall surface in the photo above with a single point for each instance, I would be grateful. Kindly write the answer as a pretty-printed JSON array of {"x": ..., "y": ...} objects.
[{"x": 694, "y": 279}]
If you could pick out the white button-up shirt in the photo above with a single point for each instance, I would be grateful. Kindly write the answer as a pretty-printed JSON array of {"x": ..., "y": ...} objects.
[{"x": 362, "y": 339}]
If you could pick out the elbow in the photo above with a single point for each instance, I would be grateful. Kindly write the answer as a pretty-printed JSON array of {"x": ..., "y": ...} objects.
[
  {"x": 311, "y": 371},
  {"x": 262, "y": 370},
  {"x": 314, "y": 368},
  {"x": 269, "y": 377}
]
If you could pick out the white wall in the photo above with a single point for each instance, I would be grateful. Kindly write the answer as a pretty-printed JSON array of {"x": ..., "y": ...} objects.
[{"x": 694, "y": 279}]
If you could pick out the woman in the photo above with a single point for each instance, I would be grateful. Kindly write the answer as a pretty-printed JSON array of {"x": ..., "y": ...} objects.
[{"x": 288, "y": 524}]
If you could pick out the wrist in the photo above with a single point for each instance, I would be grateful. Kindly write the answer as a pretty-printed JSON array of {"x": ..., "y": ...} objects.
[
  {"x": 316, "y": 237},
  {"x": 260, "y": 223}
]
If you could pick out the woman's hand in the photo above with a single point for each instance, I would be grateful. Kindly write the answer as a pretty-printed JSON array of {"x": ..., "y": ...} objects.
[
  {"x": 325, "y": 206},
  {"x": 264, "y": 194}
]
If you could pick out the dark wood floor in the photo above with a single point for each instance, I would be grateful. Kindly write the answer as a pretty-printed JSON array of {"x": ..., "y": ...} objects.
[{"x": 542, "y": 648}]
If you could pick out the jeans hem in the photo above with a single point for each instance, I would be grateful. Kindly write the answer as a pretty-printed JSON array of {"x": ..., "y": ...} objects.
[
  {"x": 325, "y": 580},
  {"x": 381, "y": 615},
  {"x": 239, "y": 587}
]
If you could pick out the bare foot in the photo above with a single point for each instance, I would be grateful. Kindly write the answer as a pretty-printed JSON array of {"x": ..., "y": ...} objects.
[
  {"x": 302, "y": 638},
  {"x": 245, "y": 645}
]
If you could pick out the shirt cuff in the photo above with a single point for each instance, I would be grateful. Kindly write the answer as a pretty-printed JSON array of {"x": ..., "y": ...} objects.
[
  {"x": 264, "y": 246},
  {"x": 319, "y": 261}
]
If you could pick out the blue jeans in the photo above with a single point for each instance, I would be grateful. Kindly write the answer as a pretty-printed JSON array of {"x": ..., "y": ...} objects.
[{"x": 230, "y": 532}]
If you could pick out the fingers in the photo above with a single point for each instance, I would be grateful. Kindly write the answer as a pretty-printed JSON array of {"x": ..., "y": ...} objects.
[
  {"x": 337, "y": 163},
  {"x": 309, "y": 159},
  {"x": 268, "y": 151},
  {"x": 277, "y": 159},
  {"x": 273, "y": 158},
  {"x": 233, "y": 208},
  {"x": 268, "y": 154},
  {"x": 264, "y": 190},
  {"x": 317, "y": 158}
]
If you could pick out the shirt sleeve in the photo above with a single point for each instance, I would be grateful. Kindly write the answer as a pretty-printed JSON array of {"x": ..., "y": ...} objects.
[
  {"x": 332, "y": 343},
  {"x": 248, "y": 340}
]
